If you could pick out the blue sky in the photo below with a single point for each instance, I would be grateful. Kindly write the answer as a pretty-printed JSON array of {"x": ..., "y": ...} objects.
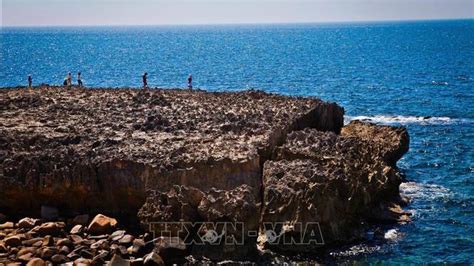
[{"x": 151, "y": 12}]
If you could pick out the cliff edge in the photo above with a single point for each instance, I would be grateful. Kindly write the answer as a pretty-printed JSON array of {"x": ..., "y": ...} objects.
[{"x": 177, "y": 155}]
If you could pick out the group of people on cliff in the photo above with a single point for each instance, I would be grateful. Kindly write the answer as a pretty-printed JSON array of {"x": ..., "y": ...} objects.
[{"x": 68, "y": 80}]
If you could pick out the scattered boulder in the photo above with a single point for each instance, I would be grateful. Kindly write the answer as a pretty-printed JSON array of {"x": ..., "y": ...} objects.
[
  {"x": 82, "y": 262},
  {"x": 136, "y": 262},
  {"x": 101, "y": 224},
  {"x": 101, "y": 244},
  {"x": 118, "y": 261},
  {"x": 126, "y": 240},
  {"x": 26, "y": 250},
  {"x": 12, "y": 241},
  {"x": 100, "y": 258},
  {"x": 32, "y": 241},
  {"x": 85, "y": 253},
  {"x": 64, "y": 242},
  {"x": 137, "y": 247},
  {"x": 77, "y": 229},
  {"x": 76, "y": 240},
  {"x": 48, "y": 241},
  {"x": 64, "y": 250},
  {"x": 117, "y": 235},
  {"x": 25, "y": 257},
  {"x": 153, "y": 258},
  {"x": 27, "y": 223},
  {"x": 50, "y": 228},
  {"x": 3, "y": 248},
  {"x": 48, "y": 252},
  {"x": 36, "y": 262},
  {"x": 58, "y": 259},
  {"x": 7, "y": 225}
]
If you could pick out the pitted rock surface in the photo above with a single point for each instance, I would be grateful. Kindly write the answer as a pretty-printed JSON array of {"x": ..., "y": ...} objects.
[{"x": 107, "y": 146}]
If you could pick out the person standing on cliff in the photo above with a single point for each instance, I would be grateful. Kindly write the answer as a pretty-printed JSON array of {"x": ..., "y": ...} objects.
[
  {"x": 145, "y": 81},
  {"x": 190, "y": 82},
  {"x": 79, "y": 79},
  {"x": 69, "y": 79},
  {"x": 30, "y": 81}
]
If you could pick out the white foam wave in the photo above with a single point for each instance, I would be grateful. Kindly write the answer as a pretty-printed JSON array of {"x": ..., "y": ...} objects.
[
  {"x": 399, "y": 119},
  {"x": 415, "y": 191},
  {"x": 391, "y": 234}
]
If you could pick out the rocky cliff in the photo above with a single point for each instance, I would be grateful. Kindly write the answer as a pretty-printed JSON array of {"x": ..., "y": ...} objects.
[{"x": 177, "y": 155}]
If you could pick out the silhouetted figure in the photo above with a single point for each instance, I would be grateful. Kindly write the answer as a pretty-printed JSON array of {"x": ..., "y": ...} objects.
[
  {"x": 145, "y": 81},
  {"x": 30, "y": 81},
  {"x": 79, "y": 79},
  {"x": 190, "y": 82},
  {"x": 69, "y": 79}
]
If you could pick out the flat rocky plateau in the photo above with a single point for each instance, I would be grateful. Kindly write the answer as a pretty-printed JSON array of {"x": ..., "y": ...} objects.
[{"x": 70, "y": 159}]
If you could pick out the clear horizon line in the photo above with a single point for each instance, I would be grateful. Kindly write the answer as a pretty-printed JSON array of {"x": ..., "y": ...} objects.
[{"x": 243, "y": 23}]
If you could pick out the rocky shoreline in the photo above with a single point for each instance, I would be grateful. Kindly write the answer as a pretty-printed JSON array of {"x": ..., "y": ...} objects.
[{"x": 161, "y": 158}]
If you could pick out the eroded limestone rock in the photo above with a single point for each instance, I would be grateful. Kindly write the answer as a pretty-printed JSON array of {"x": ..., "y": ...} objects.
[
  {"x": 391, "y": 142},
  {"x": 341, "y": 182},
  {"x": 101, "y": 149},
  {"x": 247, "y": 157}
]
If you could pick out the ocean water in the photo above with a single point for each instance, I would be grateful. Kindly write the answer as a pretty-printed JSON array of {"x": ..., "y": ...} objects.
[{"x": 416, "y": 74}]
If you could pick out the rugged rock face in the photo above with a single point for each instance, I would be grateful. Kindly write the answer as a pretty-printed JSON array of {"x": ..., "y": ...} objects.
[
  {"x": 339, "y": 181},
  {"x": 203, "y": 218},
  {"x": 391, "y": 142},
  {"x": 106, "y": 147},
  {"x": 280, "y": 166}
]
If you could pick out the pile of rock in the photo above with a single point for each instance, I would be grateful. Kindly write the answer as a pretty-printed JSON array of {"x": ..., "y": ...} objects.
[{"x": 34, "y": 242}]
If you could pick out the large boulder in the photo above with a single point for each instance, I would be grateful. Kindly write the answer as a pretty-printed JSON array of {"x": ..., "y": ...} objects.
[
  {"x": 101, "y": 224},
  {"x": 50, "y": 228},
  {"x": 27, "y": 223},
  {"x": 36, "y": 262},
  {"x": 12, "y": 241}
]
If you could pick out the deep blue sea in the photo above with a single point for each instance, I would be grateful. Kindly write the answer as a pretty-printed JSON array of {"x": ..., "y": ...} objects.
[{"x": 417, "y": 74}]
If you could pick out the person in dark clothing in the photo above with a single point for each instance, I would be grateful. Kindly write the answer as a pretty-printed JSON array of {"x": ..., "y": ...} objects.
[
  {"x": 79, "y": 79},
  {"x": 69, "y": 79},
  {"x": 190, "y": 82},
  {"x": 145, "y": 81},
  {"x": 30, "y": 81}
]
